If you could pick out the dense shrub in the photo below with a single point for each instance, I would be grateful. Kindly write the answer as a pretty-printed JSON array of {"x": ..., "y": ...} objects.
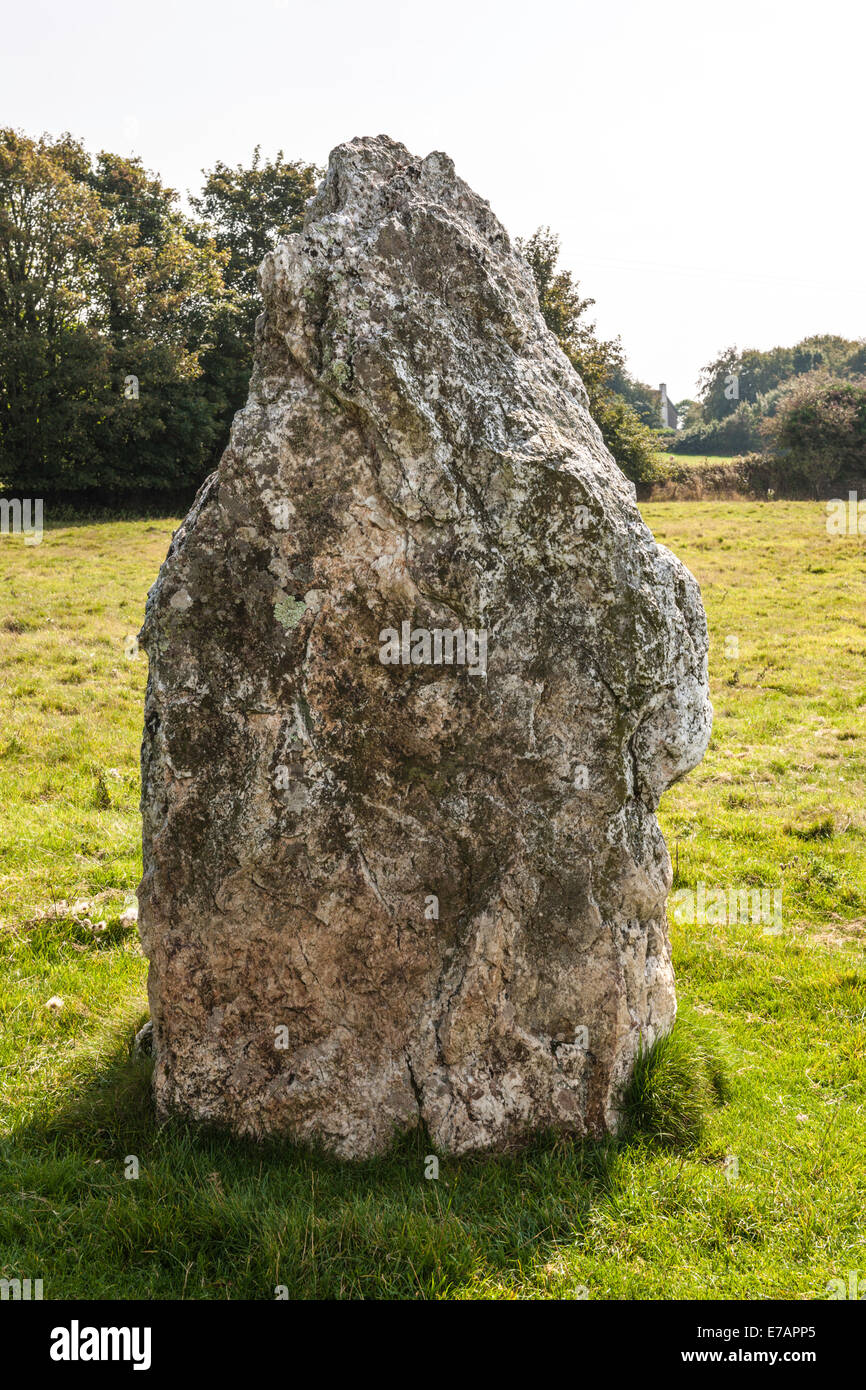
[
  {"x": 818, "y": 428},
  {"x": 632, "y": 444}
]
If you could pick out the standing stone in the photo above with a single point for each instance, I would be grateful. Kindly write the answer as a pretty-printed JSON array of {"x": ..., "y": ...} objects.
[{"x": 419, "y": 674}]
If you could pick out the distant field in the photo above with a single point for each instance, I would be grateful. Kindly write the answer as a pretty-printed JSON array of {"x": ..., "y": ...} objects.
[
  {"x": 768, "y": 1205},
  {"x": 694, "y": 460}
]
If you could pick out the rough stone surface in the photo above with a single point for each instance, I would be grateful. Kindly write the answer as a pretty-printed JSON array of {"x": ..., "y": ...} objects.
[
  {"x": 142, "y": 1043},
  {"x": 377, "y": 892}
]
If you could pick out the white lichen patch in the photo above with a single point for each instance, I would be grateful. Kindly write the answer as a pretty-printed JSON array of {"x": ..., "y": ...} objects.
[{"x": 289, "y": 611}]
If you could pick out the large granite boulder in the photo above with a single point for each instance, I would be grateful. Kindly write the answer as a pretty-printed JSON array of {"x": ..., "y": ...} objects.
[{"x": 419, "y": 674}]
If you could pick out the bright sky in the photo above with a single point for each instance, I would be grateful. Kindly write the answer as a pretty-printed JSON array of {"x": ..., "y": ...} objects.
[{"x": 702, "y": 162}]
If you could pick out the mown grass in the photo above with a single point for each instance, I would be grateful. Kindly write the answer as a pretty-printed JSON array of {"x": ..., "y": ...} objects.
[{"x": 759, "y": 1197}]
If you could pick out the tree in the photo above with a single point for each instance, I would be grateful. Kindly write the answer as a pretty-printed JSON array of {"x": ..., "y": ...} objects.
[
  {"x": 690, "y": 412},
  {"x": 101, "y": 279},
  {"x": 163, "y": 329},
  {"x": 644, "y": 400},
  {"x": 250, "y": 210},
  {"x": 247, "y": 211},
  {"x": 56, "y": 254},
  {"x": 736, "y": 377},
  {"x": 599, "y": 362}
]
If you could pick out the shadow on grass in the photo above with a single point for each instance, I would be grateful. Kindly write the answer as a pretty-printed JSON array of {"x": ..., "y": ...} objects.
[{"x": 211, "y": 1216}]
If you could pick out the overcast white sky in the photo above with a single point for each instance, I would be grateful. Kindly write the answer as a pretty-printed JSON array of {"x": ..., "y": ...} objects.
[{"x": 702, "y": 162}]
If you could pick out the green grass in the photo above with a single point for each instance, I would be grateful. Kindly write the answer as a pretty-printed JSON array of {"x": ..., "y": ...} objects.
[
  {"x": 761, "y": 1196},
  {"x": 676, "y": 1084},
  {"x": 664, "y": 459}
]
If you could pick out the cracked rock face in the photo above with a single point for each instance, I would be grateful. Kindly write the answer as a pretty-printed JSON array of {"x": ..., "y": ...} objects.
[{"x": 419, "y": 674}]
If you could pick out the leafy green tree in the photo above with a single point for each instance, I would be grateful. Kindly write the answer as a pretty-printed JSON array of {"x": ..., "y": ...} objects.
[
  {"x": 599, "y": 362},
  {"x": 719, "y": 385},
  {"x": 737, "y": 377},
  {"x": 247, "y": 211},
  {"x": 56, "y": 255},
  {"x": 855, "y": 363},
  {"x": 644, "y": 400},
  {"x": 101, "y": 279},
  {"x": 690, "y": 413},
  {"x": 827, "y": 351},
  {"x": 163, "y": 327}
]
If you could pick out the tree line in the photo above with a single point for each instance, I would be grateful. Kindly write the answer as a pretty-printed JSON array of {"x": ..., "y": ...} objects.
[
  {"x": 127, "y": 321},
  {"x": 803, "y": 407}
]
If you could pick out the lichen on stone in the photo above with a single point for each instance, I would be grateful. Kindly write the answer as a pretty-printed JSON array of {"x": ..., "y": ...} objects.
[{"x": 289, "y": 611}]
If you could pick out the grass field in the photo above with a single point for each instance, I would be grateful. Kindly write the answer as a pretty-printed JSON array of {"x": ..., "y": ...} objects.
[
  {"x": 664, "y": 460},
  {"x": 767, "y": 1203}
]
